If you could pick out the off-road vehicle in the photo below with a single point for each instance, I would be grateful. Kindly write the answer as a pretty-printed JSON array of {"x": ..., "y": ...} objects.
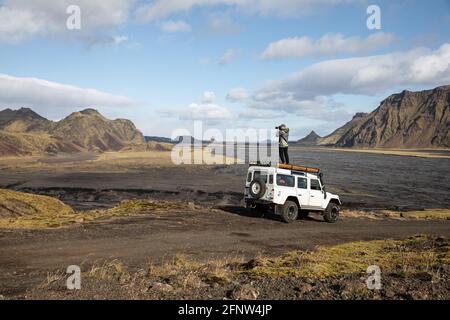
[{"x": 290, "y": 191}]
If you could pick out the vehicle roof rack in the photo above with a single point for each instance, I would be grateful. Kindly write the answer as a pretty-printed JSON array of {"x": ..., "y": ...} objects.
[
  {"x": 259, "y": 164},
  {"x": 298, "y": 168}
]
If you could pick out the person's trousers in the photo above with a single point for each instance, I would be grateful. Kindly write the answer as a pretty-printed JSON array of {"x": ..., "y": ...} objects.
[{"x": 284, "y": 156}]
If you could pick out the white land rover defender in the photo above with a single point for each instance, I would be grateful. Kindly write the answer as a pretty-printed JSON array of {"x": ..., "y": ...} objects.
[{"x": 290, "y": 191}]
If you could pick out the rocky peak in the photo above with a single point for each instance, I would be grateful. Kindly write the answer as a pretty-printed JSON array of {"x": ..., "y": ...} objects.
[{"x": 90, "y": 112}]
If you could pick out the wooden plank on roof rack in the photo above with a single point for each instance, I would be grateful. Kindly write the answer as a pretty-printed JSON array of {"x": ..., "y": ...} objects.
[{"x": 298, "y": 168}]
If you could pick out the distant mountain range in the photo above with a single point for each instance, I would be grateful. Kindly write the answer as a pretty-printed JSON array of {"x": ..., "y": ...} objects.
[
  {"x": 158, "y": 139},
  {"x": 24, "y": 132},
  {"x": 404, "y": 120}
]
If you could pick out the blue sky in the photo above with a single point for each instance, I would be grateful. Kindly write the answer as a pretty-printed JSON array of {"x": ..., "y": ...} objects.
[{"x": 230, "y": 63}]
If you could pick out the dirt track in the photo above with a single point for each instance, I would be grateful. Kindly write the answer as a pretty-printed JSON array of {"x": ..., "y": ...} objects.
[{"x": 26, "y": 256}]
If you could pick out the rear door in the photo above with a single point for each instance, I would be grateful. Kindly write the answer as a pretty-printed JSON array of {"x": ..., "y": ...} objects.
[
  {"x": 315, "y": 194},
  {"x": 260, "y": 174},
  {"x": 303, "y": 192}
]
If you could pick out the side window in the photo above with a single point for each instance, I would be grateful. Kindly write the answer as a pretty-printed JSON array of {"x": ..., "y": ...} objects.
[
  {"x": 249, "y": 177},
  {"x": 315, "y": 185},
  {"x": 271, "y": 179},
  {"x": 285, "y": 181},
  {"x": 302, "y": 183}
]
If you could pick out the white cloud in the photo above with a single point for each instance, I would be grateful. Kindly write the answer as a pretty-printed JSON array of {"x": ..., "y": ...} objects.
[
  {"x": 237, "y": 95},
  {"x": 208, "y": 97},
  {"x": 16, "y": 24},
  {"x": 228, "y": 56},
  {"x": 23, "y": 19},
  {"x": 91, "y": 41},
  {"x": 119, "y": 39},
  {"x": 320, "y": 108},
  {"x": 222, "y": 22},
  {"x": 367, "y": 76},
  {"x": 204, "y": 111},
  {"x": 43, "y": 94},
  {"x": 159, "y": 9},
  {"x": 329, "y": 45},
  {"x": 284, "y": 102},
  {"x": 176, "y": 26},
  {"x": 254, "y": 114}
]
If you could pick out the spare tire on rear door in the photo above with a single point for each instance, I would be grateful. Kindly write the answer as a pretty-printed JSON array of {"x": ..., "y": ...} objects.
[{"x": 257, "y": 188}]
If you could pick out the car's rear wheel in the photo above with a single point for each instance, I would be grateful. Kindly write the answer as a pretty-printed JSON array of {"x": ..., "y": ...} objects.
[
  {"x": 289, "y": 212},
  {"x": 331, "y": 213}
]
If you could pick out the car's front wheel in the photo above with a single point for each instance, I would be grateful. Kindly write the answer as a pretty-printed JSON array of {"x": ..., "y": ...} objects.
[
  {"x": 289, "y": 212},
  {"x": 331, "y": 213}
]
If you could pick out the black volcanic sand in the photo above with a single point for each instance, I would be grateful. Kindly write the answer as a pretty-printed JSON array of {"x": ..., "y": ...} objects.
[
  {"x": 363, "y": 180},
  {"x": 383, "y": 181}
]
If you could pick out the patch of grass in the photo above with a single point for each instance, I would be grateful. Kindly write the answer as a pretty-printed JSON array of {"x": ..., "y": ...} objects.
[
  {"x": 22, "y": 210},
  {"x": 176, "y": 265},
  {"x": 426, "y": 214},
  {"x": 411, "y": 254},
  {"x": 415, "y": 258},
  {"x": 354, "y": 257},
  {"x": 107, "y": 269},
  {"x": 19, "y": 209},
  {"x": 20, "y": 204},
  {"x": 418, "y": 257},
  {"x": 219, "y": 277},
  {"x": 360, "y": 214}
]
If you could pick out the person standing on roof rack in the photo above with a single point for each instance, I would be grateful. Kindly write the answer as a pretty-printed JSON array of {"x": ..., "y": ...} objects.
[{"x": 283, "y": 136}]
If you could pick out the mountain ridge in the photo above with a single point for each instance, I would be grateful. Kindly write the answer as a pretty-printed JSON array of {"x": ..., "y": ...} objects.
[
  {"x": 409, "y": 119},
  {"x": 24, "y": 132}
]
